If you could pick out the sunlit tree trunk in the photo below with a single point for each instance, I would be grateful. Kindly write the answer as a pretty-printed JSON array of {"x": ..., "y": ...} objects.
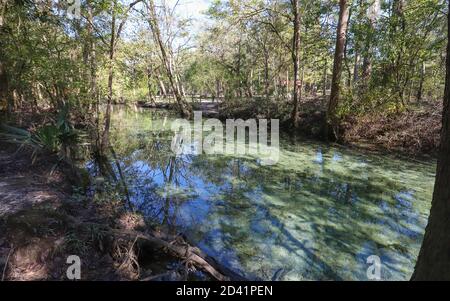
[
  {"x": 184, "y": 108},
  {"x": 434, "y": 257},
  {"x": 296, "y": 61},
  {"x": 332, "y": 119},
  {"x": 2, "y": 12},
  {"x": 162, "y": 87}
]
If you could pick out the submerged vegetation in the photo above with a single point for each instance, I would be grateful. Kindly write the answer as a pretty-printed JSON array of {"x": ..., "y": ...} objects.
[{"x": 88, "y": 93}]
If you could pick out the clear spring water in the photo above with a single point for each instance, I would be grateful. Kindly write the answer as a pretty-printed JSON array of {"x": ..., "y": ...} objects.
[{"x": 316, "y": 215}]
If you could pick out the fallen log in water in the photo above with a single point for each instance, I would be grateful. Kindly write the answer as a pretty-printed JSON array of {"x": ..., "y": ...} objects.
[
  {"x": 174, "y": 244},
  {"x": 232, "y": 275},
  {"x": 185, "y": 252}
]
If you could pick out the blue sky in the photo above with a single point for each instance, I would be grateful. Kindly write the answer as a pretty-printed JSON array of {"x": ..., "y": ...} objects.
[{"x": 192, "y": 9}]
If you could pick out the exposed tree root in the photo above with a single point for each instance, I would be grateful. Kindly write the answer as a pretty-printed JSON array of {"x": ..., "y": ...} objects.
[
  {"x": 179, "y": 249},
  {"x": 176, "y": 246}
]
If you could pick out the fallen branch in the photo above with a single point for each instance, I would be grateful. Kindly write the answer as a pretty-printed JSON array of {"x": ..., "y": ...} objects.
[
  {"x": 179, "y": 248},
  {"x": 186, "y": 252},
  {"x": 6, "y": 263}
]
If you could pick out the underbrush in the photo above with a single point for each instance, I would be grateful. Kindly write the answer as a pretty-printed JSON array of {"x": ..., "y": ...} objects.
[
  {"x": 414, "y": 132},
  {"x": 312, "y": 114}
]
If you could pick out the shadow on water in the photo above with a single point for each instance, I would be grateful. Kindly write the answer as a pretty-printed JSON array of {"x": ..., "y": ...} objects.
[{"x": 317, "y": 214}]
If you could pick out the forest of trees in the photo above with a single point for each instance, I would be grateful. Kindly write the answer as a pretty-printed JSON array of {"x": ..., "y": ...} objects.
[
  {"x": 342, "y": 60},
  {"x": 370, "y": 55}
]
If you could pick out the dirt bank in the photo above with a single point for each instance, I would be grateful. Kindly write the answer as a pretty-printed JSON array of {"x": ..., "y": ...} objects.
[
  {"x": 45, "y": 218},
  {"x": 37, "y": 210}
]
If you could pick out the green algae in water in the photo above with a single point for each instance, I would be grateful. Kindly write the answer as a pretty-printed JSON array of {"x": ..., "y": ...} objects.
[{"x": 316, "y": 215}]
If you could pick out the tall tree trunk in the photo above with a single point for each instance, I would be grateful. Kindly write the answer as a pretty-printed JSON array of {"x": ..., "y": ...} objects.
[
  {"x": 2, "y": 12},
  {"x": 151, "y": 97},
  {"x": 372, "y": 13},
  {"x": 184, "y": 108},
  {"x": 4, "y": 86},
  {"x": 92, "y": 58},
  {"x": 238, "y": 71},
  {"x": 89, "y": 59},
  {"x": 217, "y": 89},
  {"x": 105, "y": 137},
  {"x": 325, "y": 78},
  {"x": 266, "y": 75},
  {"x": 295, "y": 118},
  {"x": 182, "y": 89},
  {"x": 421, "y": 80},
  {"x": 162, "y": 87},
  {"x": 92, "y": 61},
  {"x": 434, "y": 257},
  {"x": 356, "y": 68},
  {"x": 250, "y": 84},
  {"x": 302, "y": 80},
  {"x": 346, "y": 63},
  {"x": 332, "y": 119},
  {"x": 287, "y": 83},
  {"x": 366, "y": 69},
  {"x": 176, "y": 74},
  {"x": 357, "y": 48},
  {"x": 115, "y": 37},
  {"x": 398, "y": 27}
]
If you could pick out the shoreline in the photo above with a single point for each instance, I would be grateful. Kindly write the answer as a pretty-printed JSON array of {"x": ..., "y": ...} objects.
[
  {"x": 52, "y": 221},
  {"x": 100, "y": 252},
  {"x": 364, "y": 145}
]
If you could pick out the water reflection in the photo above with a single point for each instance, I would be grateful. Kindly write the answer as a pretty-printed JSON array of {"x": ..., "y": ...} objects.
[{"x": 318, "y": 214}]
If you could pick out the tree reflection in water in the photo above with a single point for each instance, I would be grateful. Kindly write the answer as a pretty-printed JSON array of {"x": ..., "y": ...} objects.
[{"x": 317, "y": 214}]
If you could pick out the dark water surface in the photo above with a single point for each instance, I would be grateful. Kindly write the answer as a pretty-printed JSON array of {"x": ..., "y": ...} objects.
[{"x": 317, "y": 215}]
